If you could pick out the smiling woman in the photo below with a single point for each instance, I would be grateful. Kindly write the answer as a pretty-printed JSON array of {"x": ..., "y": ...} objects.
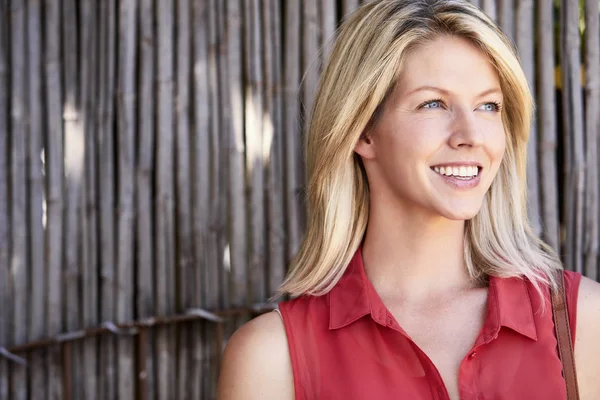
[{"x": 419, "y": 276}]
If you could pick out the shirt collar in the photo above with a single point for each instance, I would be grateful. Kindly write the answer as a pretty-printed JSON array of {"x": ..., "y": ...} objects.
[
  {"x": 353, "y": 297},
  {"x": 509, "y": 305}
]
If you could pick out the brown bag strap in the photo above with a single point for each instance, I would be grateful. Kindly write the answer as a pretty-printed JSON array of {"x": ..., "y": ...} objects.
[{"x": 563, "y": 337}]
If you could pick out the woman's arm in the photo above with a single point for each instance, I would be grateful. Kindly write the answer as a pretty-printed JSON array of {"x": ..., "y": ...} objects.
[
  {"x": 256, "y": 362},
  {"x": 587, "y": 340}
]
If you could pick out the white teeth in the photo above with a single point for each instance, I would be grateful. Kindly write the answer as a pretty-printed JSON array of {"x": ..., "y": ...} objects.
[{"x": 462, "y": 171}]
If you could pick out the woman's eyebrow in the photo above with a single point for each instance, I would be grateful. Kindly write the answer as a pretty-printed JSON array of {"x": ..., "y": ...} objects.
[
  {"x": 447, "y": 92},
  {"x": 429, "y": 88},
  {"x": 495, "y": 90}
]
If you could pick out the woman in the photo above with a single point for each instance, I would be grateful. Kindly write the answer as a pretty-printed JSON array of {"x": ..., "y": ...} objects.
[{"x": 419, "y": 276}]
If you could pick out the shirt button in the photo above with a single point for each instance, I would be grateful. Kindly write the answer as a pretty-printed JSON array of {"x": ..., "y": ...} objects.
[{"x": 473, "y": 354}]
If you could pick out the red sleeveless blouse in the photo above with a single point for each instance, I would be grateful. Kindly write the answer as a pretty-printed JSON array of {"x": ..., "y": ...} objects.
[{"x": 347, "y": 345}]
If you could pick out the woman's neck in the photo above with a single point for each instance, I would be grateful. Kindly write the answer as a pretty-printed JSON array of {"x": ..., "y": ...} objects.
[{"x": 412, "y": 256}]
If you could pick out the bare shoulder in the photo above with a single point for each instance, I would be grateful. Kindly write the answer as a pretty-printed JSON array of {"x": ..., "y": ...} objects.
[
  {"x": 256, "y": 363},
  {"x": 587, "y": 345}
]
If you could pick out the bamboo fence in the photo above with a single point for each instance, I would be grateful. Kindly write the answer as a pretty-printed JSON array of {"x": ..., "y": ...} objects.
[{"x": 151, "y": 175}]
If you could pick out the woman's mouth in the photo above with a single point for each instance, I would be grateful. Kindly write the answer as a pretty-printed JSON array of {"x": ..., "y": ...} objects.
[
  {"x": 459, "y": 176},
  {"x": 463, "y": 172}
]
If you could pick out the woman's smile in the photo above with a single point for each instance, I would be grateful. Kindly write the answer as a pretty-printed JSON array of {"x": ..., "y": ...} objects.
[
  {"x": 458, "y": 181},
  {"x": 459, "y": 175}
]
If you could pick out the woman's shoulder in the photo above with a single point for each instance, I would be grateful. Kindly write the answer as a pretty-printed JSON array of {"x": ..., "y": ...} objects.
[
  {"x": 587, "y": 343},
  {"x": 589, "y": 291},
  {"x": 256, "y": 363},
  {"x": 588, "y": 303}
]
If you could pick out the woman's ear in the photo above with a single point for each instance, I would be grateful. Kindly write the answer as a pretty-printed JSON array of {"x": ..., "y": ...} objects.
[{"x": 365, "y": 147}]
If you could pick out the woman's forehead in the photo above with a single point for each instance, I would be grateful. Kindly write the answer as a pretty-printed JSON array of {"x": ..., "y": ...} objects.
[{"x": 450, "y": 64}]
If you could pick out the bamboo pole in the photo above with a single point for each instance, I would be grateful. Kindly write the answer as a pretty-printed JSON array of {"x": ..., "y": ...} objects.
[
  {"x": 568, "y": 199},
  {"x": 19, "y": 261},
  {"x": 224, "y": 114},
  {"x": 126, "y": 132},
  {"x": 489, "y": 7},
  {"x": 145, "y": 282},
  {"x": 88, "y": 48},
  {"x": 106, "y": 176},
  {"x": 221, "y": 225},
  {"x": 253, "y": 73},
  {"x": 211, "y": 274},
  {"x": 184, "y": 227},
  {"x": 5, "y": 297},
  {"x": 525, "y": 40},
  {"x": 201, "y": 182},
  {"x": 165, "y": 240},
  {"x": 573, "y": 133},
  {"x": 280, "y": 235},
  {"x": 184, "y": 244},
  {"x": 73, "y": 169},
  {"x": 54, "y": 157},
  {"x": 547, "y": 130},
  {"x": 235, "y": 159},
  {"x": 592, "y": 139},
  {"x": 272, "y": 149},
  {"x": 328, "y": 23},
  {"x": 37, "y": 373},
  {"x": 348, "y": 6},
  {"x": 311, "y": 65},
  {"x": 506, "y": 17},
  {"x": 291, "y": 140}
]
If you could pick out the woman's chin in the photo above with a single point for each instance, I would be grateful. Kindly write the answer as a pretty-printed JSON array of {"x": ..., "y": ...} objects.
[{"x": 463, "y": 213}]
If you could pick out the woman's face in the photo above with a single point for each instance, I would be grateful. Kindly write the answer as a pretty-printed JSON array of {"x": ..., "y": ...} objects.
[{"x": 440, "y": 139}]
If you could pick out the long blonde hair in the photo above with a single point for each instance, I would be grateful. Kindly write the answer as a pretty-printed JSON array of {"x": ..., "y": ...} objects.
[{"x": 362, "y": 70}]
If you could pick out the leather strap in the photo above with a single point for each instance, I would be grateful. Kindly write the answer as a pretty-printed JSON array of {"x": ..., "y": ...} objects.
[{"x": 563, "y": 337}]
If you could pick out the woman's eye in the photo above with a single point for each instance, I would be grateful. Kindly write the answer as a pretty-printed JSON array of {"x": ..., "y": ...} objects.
[
  {"x": 432, "y": 104},
  {"x": 492, "y": 106}
]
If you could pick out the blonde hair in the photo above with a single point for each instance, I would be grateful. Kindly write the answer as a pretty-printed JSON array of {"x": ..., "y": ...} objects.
[{"x": 361, "y": 72}]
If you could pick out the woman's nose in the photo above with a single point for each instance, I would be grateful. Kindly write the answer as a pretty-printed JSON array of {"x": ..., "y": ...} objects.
[{"x": 465, "y": 130}]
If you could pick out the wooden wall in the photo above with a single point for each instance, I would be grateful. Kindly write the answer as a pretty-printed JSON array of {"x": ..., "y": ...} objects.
[{"x": 151, "y": 175}]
